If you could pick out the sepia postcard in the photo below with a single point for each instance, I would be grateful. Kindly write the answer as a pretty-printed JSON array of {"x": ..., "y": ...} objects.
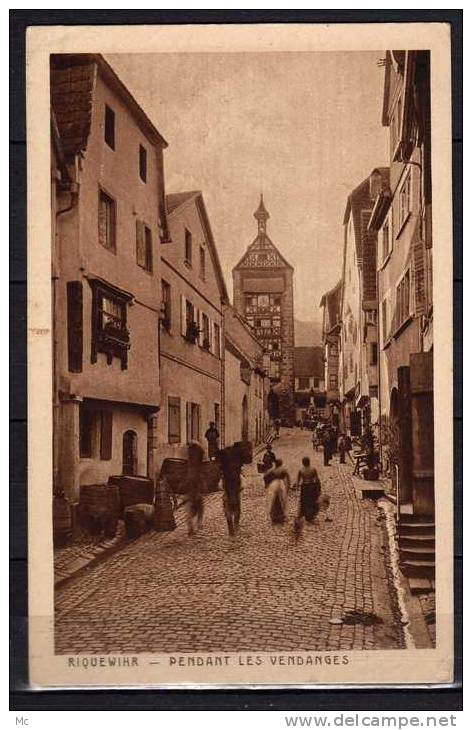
[{"x": 240, "y": 355}]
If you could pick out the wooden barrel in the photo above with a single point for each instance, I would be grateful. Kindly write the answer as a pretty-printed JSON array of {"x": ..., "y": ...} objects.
[
  {"x": 61, "y": 521},
  {"x": 174, "y": 471},
  {"x": 164, "y": 513},
  {"x": 99, "y": 508},
  {"x": 133, "y": 490}
]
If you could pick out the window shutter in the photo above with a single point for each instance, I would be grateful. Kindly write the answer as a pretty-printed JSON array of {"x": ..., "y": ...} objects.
[
  {"x": 211, "y": 334},
  {"x": 189, "y": 421},
  {"x": 140, "y": 244},
  {"x": 419, "y": 278},
  {"x": 74, "y": 325},
  {"x": 183, "y": 315},
  {"x": 199, "y": 319},
  {"x": 106, "y": 432}
]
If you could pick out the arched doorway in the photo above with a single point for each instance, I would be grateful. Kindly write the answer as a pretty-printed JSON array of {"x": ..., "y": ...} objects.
[
  {"x": 245, "y": 420},
  {"x": 130, "y": 452}
]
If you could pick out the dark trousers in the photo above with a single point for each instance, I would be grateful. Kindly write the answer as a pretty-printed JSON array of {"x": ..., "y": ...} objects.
[{"x": 326, "y": 455}]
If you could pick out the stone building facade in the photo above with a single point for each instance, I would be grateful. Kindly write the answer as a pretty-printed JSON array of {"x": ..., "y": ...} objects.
[
  {"x": 358, "y": 361},
  {"x": 331, "y": 331},
  {"x": 246, "y": 382},
  {"x": 193, "y": 295},
  {"x": 263, "y": 295},
  {"x": 402, "y": 221},
  {"x": 109, "y": 223}
]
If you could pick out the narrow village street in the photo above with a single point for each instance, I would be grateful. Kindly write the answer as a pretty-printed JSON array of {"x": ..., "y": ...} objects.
[{"x": 258, "y": 591}]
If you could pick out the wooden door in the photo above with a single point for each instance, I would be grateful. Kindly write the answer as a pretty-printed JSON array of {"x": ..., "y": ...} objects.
[{"x": 130, "y": 453}]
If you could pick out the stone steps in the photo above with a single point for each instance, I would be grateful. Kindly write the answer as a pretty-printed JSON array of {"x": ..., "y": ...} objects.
[
  {"x": 416, "y": 540},
  {"x": 418, "y": 568},
  {"x": 426, "y": 554}
]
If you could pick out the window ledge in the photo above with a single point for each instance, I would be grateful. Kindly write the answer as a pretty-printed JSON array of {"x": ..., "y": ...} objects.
[
  {"x": 406, "y": 322},
  {"x": 385, "y": 261},
  {"x": 403, "y": 226}
]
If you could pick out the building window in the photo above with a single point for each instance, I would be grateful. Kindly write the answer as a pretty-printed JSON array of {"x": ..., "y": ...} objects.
[
  {"x": 189, "y": 313},
  {"x": 109, "y": 127},
  {"x": 142, "y": 163},
  {"x": 217, "y": 340},
  {"x": 205, "y": 332},
  {"x": 385, "y": 332},
  {"x": 371, "y": 316},
  {"x": 106, "y": 221},
  {"x": 385, "y": 241},
  {"x": 109, "y": 326},
  {"x": 333, "y": 382},
  {"x": 333, "y": 349},
  {"x": 191, "y": 329},
  {"x": 143, "y": 246},
  {"x": 405, "y": 201},
  {"x": 202, "y": 263},
  {"x": 193, "y": 422},
  {"x": 188, "y": 247},
  {"x": 402, "y": 310},
  {"x": 303, "y": 383},
  {"x": 87, "y": 430},
  {"x": 173, "y": 420},
  {"x": 166, "y": 299},
  {"x": 274, "y": 369},
  {"x": 373, "y": 353},
  {"x": 373, "y": 391}
]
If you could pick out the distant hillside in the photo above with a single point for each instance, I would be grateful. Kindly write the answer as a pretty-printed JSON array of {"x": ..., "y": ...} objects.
[{"x": 307, "y": 334}]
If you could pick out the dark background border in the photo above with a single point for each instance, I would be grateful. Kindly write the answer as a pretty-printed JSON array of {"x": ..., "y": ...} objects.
[{"x": 21, "y": 697}]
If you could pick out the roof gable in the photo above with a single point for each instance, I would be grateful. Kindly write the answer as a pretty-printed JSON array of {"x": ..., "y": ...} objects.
[
  {"x": 73, "y": 79},
  {"x": 263, "y": 254},
  {"x": 174, "y": 201}
]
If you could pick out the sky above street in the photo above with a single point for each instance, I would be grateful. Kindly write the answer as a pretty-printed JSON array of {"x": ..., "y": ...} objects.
[{"x": 303, "y": 128}]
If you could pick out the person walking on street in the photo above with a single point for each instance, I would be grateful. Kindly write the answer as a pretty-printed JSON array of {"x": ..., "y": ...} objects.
[
  {"x": 277, "y": 428},
  {"x": 194, "y": 488},
  {"x": 268, "y": 460},
  {"x": 348, "y": 447},
  {"x": 212, "y": 435},
  {"x": 310, "y": 490},
  {"x": 277, "y": 481},
  {"x": 231, "y": 461},
  {"x": 326, "y": 447},
  {"x": 342, "y": 449}
]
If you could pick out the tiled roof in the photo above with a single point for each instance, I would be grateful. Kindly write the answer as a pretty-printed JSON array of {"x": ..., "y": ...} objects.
[
  {"x": 175, "y": 200},
  {"x": 332, "y": 301},
  {"x": 308, "y": 362},
  {"x": 71, "y": 100},
  {"x": 72, "y": 84}
]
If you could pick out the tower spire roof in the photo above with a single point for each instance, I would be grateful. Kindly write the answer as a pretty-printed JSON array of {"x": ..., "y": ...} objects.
[{"x": 261, "y": 215}]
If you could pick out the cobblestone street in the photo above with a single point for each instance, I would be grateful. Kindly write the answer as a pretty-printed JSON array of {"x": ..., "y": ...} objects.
[{"x": 259, "y": 591}]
